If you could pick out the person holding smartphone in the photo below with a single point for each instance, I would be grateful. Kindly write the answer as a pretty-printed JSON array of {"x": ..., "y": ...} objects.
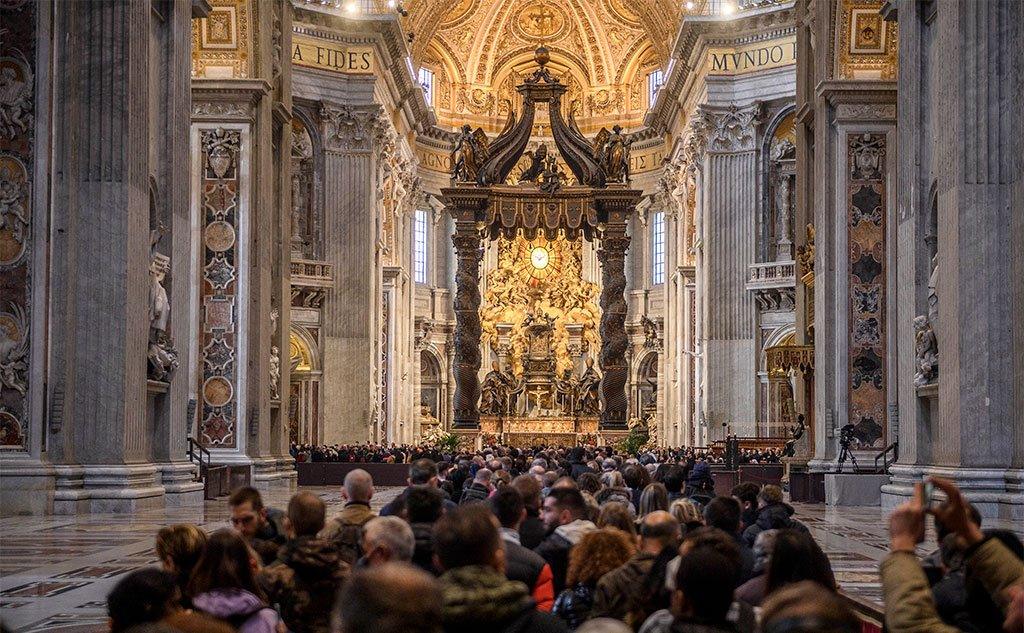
[{"x": 909, "y": 607}]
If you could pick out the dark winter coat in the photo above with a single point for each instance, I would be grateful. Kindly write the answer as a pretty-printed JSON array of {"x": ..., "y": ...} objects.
[
  {"x": 474, "y": 493},
  {"x": 304, "y": 582},
  {"x": 556, "y": 547},
  {"x": 774, "y": 516},
  {"x": 479, "y": 599},
  {"x": 529, "y": 568},
  {"x": 423, "y": 555},
  {"x": 621, "y": 590}
]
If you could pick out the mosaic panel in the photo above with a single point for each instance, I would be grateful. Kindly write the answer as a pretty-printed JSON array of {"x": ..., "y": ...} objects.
[
  {"x": 17, "y": 108},
  {"x": 866, "y": 203},
  {"x": 219, "y": 191}
]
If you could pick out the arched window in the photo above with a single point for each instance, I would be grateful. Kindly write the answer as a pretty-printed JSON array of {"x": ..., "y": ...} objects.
[
  {"x": 426, "y": 79},
  {"x": 658, "y": 248},
  {"x": 655, "y": 80}
]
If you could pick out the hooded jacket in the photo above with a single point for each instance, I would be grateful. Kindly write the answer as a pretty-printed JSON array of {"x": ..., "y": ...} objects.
[
  {"x": 239, "y": 608},
  {"x": 774, "y": 516},
  {"x": 555, "y": 548},
  {"x": 303, "y": 582},
  {"x": 476, "y": 599}
]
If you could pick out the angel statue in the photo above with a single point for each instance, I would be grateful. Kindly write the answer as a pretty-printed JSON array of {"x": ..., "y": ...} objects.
[
  {"x": 612, "y": 149},
  {"x": 469, "y": 154},
  {"x": 531, "y": 173}
]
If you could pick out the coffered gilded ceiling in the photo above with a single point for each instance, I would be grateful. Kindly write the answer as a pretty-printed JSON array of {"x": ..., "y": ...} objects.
[{"x": 480, "y": 49}]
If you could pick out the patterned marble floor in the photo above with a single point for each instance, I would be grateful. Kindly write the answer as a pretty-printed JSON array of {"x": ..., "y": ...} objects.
[
  {"x": 55, "y": 571},
  {"x": 856, "y": 539}
]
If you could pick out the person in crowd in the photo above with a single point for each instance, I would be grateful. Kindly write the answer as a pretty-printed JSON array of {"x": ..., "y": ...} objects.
[
  {"x": 345, "y": 529},
  {"x": 618, "y": 515},
  {"x": 458, "y": 477},
  {"x": 479, "y": 489},
  {"x": 772, "y": 514},
  {"x": 390, "y": 598},
  {"x": 589, "y": 482},
  {"x": 687, "y": 514},
  {"x": 614, "y": 489},
  {"x": 179, "y": 547},
  {"x": 699, "y": 481},
  {"x": 598, "y": 553},
  {"x": 261, "y": 527},
  {"x": 577, "y": 462},
  {"x": 522, "y": 564},
  {"x": 385, "y": 540},
  {"x": 563, "y": 514},
  {"x": 636, "y": 479},
  {"x": 422, "y": 472},
  {"x": 476, "y": 595},
  {"x": 653, "y": 499},
  {"x": 724, "y": 514},
  {"x": 795, "y": 557},
  {"x": 753, "y": 591},
  {"x": 702, "y": 595},
  {"x": 224, "y": 585},
  {"x": 423, "y": 507},
  {"x": 151, "y": 596},
  {"x": 532, "y": 530},
  {"x": 909, "y": 604},
  {"x": 674, "y": 480},
  {"x": 633, "y": 591},
  {"x": 746, "y": 494},
  {"x": 308, "y": 572},
  {"x": 807, "y": 607}
]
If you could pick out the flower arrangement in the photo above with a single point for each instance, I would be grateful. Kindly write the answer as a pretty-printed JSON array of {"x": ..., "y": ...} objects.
[{"x": 445, "y": 440}]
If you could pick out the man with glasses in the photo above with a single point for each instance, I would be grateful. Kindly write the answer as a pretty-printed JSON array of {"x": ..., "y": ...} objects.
[{"x": 262, "y": 527}]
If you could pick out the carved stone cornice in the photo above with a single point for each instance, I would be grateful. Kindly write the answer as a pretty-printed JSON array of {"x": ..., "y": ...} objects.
[
  {"x": 227, "y": 100},
  {"x": 353, "y": 128},
  {"x": 730, "y": 129}
]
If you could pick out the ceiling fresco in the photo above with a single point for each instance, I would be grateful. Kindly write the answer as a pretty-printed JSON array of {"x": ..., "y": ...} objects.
[{"x": 480, "y": 49}]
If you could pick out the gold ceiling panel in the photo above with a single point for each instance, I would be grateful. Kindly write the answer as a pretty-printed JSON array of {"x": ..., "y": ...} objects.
[{"x": 480, "y": 49}]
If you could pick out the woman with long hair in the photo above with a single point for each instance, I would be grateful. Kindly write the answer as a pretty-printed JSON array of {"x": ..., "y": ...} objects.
[
  {"x": 224, "y": 585},
  {"x": 796, "y": 557},
  {"x": 596, "y": 554},
  {"x": 687, "y": 514},
  {"x": 179, "y": 548},
  {"x": 618, "y": 515},
  {"x": 654, "y": 498}
]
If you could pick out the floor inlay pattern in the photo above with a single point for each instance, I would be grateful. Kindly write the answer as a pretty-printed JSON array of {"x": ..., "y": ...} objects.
[{"x": 55, "y": 571}]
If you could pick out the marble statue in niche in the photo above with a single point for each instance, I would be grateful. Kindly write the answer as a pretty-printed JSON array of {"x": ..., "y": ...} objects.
[
  {"x": 926, "y": 349},
  {"x": 589, "y": 383},
  {"x": 162, "y": 356},
  {"x": 275, "y": 358}
]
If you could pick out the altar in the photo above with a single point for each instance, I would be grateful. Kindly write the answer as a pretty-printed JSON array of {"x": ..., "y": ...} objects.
[{"x": 555, "y": 340}]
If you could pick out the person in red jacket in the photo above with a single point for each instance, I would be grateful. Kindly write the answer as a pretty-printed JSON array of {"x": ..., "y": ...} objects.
[{"x": 522, "y": 564}]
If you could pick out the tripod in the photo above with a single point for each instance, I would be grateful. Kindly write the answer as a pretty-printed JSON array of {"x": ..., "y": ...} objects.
[{"x": 845, "y": 454}]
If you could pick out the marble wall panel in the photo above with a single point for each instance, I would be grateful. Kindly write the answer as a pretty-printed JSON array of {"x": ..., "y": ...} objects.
[
  {"x": 866, "y": 238},
  {"x": 17, "y": 109}
]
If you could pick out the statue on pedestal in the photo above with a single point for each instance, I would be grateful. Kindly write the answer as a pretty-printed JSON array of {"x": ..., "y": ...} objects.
[
  {"x": 494, "y": 392},
  {"x": 588, "y": 395},
  {"x": 613, "y": 153},
  {"x": 469, "y": 154},
  {"x": 566, "y": 392}
]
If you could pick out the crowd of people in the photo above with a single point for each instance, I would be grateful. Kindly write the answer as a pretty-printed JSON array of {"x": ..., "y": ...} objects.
[
  {"x": 560, "y": 540},
  {"x": 406, "y": 453}
]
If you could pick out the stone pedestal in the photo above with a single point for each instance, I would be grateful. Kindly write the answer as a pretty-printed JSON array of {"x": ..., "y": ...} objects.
[{"x": 853, "y": 490}]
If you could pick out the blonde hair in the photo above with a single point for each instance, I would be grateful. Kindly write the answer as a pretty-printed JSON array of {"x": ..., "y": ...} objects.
[
  {"x": 685, "y": 512},
  {"x": 182, "y": 545}
]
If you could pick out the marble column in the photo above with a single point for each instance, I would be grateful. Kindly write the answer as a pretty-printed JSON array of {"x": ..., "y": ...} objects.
[
  {"x": 960, "y": 240},
  {"x": 466, "y": 364},
  {"x": 729, "y": 194},
  {"x": 352, "y": 327},
  {"x": 99, "y": 437}
]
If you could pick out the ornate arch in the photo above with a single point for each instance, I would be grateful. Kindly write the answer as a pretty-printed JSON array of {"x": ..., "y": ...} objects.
[{"x": 302, "y": 346}]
